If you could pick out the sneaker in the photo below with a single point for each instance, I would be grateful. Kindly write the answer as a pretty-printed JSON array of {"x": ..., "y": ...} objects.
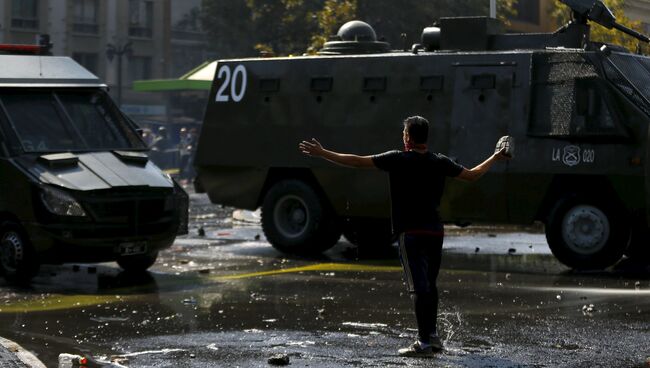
[
  {"x": 436, "y": 343},
  {"x": 416, "y": 350}
]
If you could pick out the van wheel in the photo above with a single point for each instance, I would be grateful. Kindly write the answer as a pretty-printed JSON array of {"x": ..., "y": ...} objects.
[
  {"x": 137, "y": 263},
  {"x": 295, "y": 219},
  {"x": 18, "y": 261},
  {"x": 585, "y": 234},
  {"x": 369, "y": 233}
]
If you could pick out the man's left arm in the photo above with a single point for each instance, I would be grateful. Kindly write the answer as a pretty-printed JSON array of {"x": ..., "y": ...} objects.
[{"x": 315, "y": 149}]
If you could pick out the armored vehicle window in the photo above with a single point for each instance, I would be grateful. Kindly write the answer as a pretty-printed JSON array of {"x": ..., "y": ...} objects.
[
  {"x": 629, "y": 73},
  {"x": 374, "y": 84},
  {"x": 269, "y": 85},
  {"x": 66, "y": 121},
  {"x": 323, "y": 84},
  {"x": 569, "y": 99},
  {"x": 431, "y": 83},
  {"x": 484, "y": 81}
]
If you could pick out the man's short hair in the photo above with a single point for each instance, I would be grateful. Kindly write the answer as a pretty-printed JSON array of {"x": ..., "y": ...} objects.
[{"x": 418, "y": 129}]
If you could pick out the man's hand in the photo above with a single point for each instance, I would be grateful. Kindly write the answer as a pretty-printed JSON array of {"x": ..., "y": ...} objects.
[
  {"x": 502, "y": 156},
  {"x": 311, "y": 148}
]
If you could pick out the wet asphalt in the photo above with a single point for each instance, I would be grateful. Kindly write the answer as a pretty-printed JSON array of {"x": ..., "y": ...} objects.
[{"x": 228, "y": 299}]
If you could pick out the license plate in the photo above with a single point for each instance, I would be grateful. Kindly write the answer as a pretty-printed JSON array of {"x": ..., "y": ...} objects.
[{"x": 128, "y": 249}]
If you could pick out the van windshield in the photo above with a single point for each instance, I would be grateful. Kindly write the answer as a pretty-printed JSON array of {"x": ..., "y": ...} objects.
[{"x": 66, "y": 121}]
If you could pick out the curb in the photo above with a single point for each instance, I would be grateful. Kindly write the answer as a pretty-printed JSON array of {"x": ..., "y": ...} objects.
[{"x": 20, "y": 354}]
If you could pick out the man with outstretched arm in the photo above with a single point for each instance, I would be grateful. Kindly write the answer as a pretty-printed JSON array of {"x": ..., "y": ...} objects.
[{"x": 417, "y": 179}]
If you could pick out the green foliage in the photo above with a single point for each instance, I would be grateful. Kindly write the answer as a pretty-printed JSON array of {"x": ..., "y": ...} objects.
[
  {"x": 562, "y": 15},
  {"x": 506, "y": 10},
  {"x": 283, "y": 27},
  {"x": 229, "y": 26},
  {"x": 333, "y": 14}
]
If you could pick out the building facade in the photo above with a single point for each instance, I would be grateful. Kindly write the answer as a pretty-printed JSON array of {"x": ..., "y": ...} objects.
[{"x": 155, "y": 39}]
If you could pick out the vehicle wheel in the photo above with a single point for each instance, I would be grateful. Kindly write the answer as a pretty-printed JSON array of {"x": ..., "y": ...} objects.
[
  {"x": 369, "y": 233},
  {"x": 18, "y": 261},
  {"x": 137, "y": 263},
  {"x": 585, "y": 234},
  {"x": 295, "y": 219}
]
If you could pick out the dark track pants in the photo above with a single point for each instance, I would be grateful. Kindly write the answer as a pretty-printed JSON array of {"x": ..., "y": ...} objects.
[{"x": 420, "y": 255}]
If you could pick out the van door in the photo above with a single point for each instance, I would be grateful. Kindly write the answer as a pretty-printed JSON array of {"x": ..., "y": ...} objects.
[{"x": 481, "y": 113}]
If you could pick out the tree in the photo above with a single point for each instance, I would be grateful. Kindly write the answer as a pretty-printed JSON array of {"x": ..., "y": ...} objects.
[
  {"x": 506, "y": 10},
  {"x": 333, "y": 14},
  {"x": 562, "y": 14},
  {"x": 245, "y": 27},
  {"x": 283, "y": 27},
  {"x": 229, "y": 26}
]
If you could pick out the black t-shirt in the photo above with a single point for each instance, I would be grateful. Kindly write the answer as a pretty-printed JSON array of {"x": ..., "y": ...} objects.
[{"x": 417, "y": 181}]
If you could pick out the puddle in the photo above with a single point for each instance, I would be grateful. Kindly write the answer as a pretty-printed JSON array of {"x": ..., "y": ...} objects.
[{"x": 365, "y": 325}]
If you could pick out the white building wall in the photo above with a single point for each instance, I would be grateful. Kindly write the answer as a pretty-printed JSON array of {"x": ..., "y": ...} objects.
[
  {"x": 3, "y": 18},
  {"x": 57, "y": 26},
  {"x": 111, "y": 37}
]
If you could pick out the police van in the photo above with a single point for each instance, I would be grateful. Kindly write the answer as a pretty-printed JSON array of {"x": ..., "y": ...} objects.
[{"x": 76, "y": 184}]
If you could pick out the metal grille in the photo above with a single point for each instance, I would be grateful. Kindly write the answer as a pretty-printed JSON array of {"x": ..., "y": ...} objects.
[
  {"x": 133, "y": 211},
  {"x": 554, "y": 78}
]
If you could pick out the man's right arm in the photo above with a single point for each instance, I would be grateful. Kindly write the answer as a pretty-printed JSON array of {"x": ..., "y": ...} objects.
[{"x": 314, "y": 148}]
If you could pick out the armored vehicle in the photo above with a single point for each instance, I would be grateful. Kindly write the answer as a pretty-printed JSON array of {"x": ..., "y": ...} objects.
[
  {"x": 76, "y": 185},
  {"x": 579, "y": 111}
]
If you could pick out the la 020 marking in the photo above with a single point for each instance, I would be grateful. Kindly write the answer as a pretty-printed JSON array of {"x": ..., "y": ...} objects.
[
  {"x": 235, "y": 85},
  {"x": 572, "y": 155}
]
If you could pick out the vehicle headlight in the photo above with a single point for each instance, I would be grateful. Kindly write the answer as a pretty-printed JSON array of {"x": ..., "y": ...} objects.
[{"x": 61, "y": 203}]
